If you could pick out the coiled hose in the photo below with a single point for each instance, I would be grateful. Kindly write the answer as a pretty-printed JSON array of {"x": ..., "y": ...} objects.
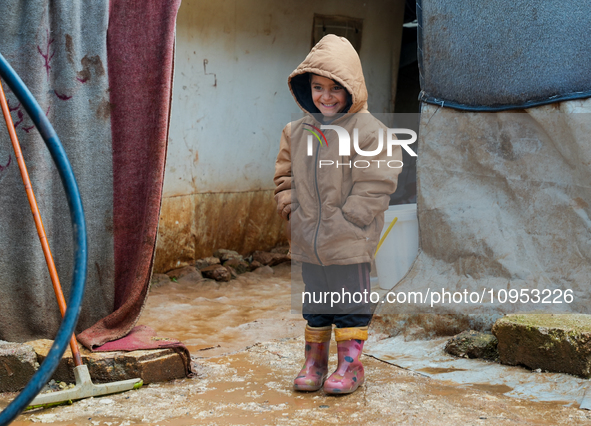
[{"x": 42, "y": 376}]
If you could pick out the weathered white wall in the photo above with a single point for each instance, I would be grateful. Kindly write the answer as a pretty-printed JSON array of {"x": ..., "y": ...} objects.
[{"x": 227, "y": 116}]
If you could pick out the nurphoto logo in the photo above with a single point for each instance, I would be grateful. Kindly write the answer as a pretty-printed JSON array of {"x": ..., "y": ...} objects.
[{"x": 345, "y": 146}]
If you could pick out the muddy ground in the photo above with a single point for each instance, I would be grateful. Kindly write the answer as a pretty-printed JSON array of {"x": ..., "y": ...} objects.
[{"x": 248, "y": 347}]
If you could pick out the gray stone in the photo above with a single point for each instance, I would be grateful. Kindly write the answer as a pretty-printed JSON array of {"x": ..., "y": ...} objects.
[
  {"x": 53, "y": 386},
  {"x": 270, "y": 259},
  {"x": 240, "y": 266},
  {"x": 550, "y": 342},
  {"x": 217, "y": 272},
  {"x": 281, "y": 249},
  {"x": 18, "y": 363},
  {"x": 186, "y": 274},
  {"x": 158, "y": 280},
  {"x": 473, "y": 344},
  {"x": 206, "y": 261},
  {"x": 154, "y": 365},
  {"x": 264, "y": 270},
  {"x": 224, "y": 255},
  {"x": 255, "y": 265},
  {"x": 232, "y": 272}
]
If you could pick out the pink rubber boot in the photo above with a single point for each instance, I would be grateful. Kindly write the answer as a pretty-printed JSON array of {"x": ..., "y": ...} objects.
[
  {"x": 349, "y": 374},
  {"x": 315, "y": 368}
]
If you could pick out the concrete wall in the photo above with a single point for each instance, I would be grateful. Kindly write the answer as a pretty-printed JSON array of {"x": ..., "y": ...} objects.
[{"x": 230, "y": 102}]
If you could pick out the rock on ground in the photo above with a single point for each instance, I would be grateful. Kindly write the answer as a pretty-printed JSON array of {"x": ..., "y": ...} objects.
[
  {"x": 206, "y": 261},
  {"x": 255, "y": 265},
  {"x": 240, "y": 266},
  {"x": 189, "y": 273},
  {"x": 264, "y": 270},
  {"x": 270, "y": 259},
  {"x": 217, "y": 272},
  {"x": 158, "y": 280},
  {"x": 232, "y": 271},
  {"x": 18, "y": 363},
  {"x": 281, "y": 249},
  {"x": 156, "y": 365},
  {"x": 552, "y": 342},
  {"x": 473, "y": 344},
  {"x": 225, "y": 255}
]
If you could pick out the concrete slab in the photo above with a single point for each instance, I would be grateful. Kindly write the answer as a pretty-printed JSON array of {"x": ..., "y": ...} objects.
[
  {"x": 18, "y": 363},
  {"x": 550, "y": 342},
  {"x": 157, "y": 365}
]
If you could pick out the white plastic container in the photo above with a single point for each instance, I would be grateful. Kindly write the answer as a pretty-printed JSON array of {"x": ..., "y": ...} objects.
[{"x": 400, "y": 248}]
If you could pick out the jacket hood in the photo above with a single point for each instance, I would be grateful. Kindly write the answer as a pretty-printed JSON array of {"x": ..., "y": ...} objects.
[{"x": 335, "y": 58}]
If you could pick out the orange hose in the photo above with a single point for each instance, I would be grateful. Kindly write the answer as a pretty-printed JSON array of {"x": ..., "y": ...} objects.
[{"x": 57, "y": 288}]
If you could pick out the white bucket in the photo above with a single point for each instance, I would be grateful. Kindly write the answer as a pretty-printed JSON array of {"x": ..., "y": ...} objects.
[{"x": 400, "y": 248}]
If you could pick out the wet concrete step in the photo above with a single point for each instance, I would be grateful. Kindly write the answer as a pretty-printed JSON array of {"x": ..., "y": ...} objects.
[
  {"x": 551, "y": 342},
  {"x": 155, "y": 365}
]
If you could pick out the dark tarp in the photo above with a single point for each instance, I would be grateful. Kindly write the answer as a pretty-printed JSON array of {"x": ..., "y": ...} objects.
[{"x": 502, "y": 54}]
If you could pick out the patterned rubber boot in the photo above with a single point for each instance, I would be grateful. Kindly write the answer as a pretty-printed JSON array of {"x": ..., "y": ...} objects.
[
  {"x": 315, "y": 368},
  {"x": 349, "y": 374}
]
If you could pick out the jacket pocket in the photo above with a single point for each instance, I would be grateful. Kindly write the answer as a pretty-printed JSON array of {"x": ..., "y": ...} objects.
[{"x": 351, "y": 228}]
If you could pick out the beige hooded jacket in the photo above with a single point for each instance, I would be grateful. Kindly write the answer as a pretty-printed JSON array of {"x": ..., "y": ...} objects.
[{"x": 335, "y": 210}]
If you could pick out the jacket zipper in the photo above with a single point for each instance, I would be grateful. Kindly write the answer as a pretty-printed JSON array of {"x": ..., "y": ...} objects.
[{"x": 319, "y": 205}]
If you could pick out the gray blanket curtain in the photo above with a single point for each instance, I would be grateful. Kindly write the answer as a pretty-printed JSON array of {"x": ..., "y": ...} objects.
[{"x": 59, "y": 49}]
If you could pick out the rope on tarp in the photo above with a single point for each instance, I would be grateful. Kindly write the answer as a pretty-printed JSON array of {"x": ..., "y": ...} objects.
[{"x": 423, "y": 97}]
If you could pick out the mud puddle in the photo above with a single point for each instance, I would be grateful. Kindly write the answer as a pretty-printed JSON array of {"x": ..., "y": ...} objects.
[
  {"x": 213, "y": 318},
  {"x": 247, "y": 379},
  {"x": 437, "y": 370},
  {"x": 253, "y": 387}
]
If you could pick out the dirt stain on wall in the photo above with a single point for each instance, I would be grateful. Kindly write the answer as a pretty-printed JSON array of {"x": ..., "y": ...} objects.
[{"x": 193, "y": 226}]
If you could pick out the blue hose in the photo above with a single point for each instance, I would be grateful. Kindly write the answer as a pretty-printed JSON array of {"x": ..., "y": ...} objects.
[{"x": 64, "y": 168}]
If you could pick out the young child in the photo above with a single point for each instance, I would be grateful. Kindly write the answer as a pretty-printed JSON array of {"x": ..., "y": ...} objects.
[{"x": 334, "y": 204}]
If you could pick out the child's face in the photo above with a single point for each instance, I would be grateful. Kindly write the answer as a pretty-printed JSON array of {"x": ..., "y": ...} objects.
[{"x": 329, "y": 97}]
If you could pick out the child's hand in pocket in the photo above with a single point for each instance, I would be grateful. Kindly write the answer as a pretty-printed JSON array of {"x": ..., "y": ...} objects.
[{"x": 351, "y": 219}]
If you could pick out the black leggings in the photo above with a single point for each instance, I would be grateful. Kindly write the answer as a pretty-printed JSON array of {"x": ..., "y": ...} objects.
[{"x": 325, "y": 284}]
